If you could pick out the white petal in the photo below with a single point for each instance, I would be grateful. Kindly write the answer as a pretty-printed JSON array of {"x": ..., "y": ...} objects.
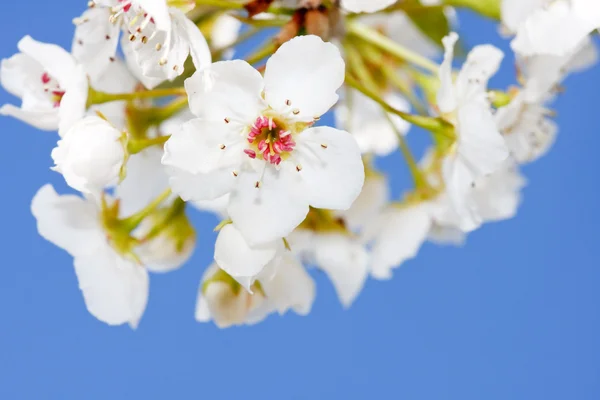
[
  {"x": 201, "y": 146},
  {"x": 20, "y": 73},
  {"x": 229, "y": 89},
  {"x": 369, "y": 124},
  {"x": 446, "y": 96},
  {"x": 481, "y": 64},
  {"x": 199, "y": 50},
  {"x": 291, "y": 287},
  {"x": 55, "y": 60},
  {"x": 46, "y": 120},
  {"x": 373, "y": 197},
  {"x": 69, "y": 222},
  {"x": 402, "y": 231},
  {"x": 515, "y": 12},
  {"x": 74, "y": 103},
  {"x": 480, "y": 143},
  {"x": 237, "y": 258},
  {"x": 149, "y": 82},
  {"x": 146, "y": 179},
  {"x": 159, "y": 11},
  {"x": 459, "y": 178},
  {"x": 273, "y": 209},
  {"x": 498, "y": 196},
  {"x": 345, "y": 261},
  {"x": 115, "y": 290},
  {"x": 95, "y": 41},
  {"x": 305, "y": 73},
  {"x": 554, "y": 30},
  {"x": 194, "y": 187},
  {"x": 368, "y": 6},
  {"x": 331, "y": 167}
]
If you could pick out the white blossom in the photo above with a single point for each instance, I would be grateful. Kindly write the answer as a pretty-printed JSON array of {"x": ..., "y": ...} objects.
[
  {"x": 52, "y": 86},
  {"x": 255, "y": 140},
  {"x": 224, "y": 301},
  {"x": 479, "y": 149},
  {"x": 370, "y": 124},
  {"x": 91, "y": 155},
  {"x": 115, "y": 289},
  {"x": 156, "y": 40},
  {"x": 340, "y": 254}
]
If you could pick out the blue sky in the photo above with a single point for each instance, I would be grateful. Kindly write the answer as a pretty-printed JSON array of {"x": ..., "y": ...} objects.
[{"x": 512, "y": 315}]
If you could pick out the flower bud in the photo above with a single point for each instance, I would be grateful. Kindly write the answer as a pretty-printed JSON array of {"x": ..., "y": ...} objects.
[
  {"x": 91, "y": 155},
  {"x": 170, "y": 248},
  {"x": 226, "y": 302}
]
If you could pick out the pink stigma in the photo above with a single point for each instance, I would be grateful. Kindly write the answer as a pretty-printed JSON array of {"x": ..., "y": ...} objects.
[
  {"x": 46, "y": 78},
  {"x": 272, "y": 141}
]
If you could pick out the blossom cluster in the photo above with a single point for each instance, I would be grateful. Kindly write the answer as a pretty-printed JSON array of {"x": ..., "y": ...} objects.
[{"x": 156, "y": 114}]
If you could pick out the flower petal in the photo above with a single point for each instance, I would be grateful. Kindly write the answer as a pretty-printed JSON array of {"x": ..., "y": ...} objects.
[
  {"x": 55, "y": 60},
  {"x": 204, "y": 146},
  {"x": 481, "y": 64},
  {"x": 194, "y": 187},
  {"x": 401, "y": 232},
  {"x": 115, "y": 290},
  {"x": 95, "y": 41},
  {"x": 303, "y": 76},
  {"x": 446, "y": 97},
  {"x": 346, "y": 263},
  {"x": 330, "y": 166},
  {"x": 237, "y": 258},
  {"x": 228, "y": 89},
  {"x": 268, "y": 206},
  {"x": 46, "y": 120},
  {"x": 291, "y": 287},
  {"x": 67, "y": 221}
]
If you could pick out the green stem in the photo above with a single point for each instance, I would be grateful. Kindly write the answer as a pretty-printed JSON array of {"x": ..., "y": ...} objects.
[
  {"x": 265, "y": 51},
  {"x": 97, "y": 97},
  {"x": 132, "y": 222},
  {"x": 135, "y": 146},
  {"x": 429, "y": 123},
  {"x": 384, "y": 43},
  {"x": 226, "y": 4},
  {"x": 417, "y": 174},
  {"x": 176, "y": 208}
]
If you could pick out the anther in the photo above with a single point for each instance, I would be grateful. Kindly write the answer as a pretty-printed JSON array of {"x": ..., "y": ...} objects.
[
  {"x": 296, "y": 111},
  {"x": 222, "y": 147},
  {"x": 144, "y": 39},
  {"x": 257, "y": 185},
  {"x": 227, "y": 120},
  {"x": 162, "y": 62},
  {"x": 235, "y": 173},
  {"x": 158, "y": 46},
  {"x": 288, "y": 102},
  {"x": 132, "y": 38},
  {"x": 175, "y": 68},
  {"x": 324, "y": 146},
  {"x": 298, "y": 167}
]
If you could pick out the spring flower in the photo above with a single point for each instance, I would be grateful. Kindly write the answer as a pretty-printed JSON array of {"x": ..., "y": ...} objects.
[
  {"x": 557, "y": 29},
  {"x": 114, "y": 287},
  {"x": 255, "y": 140},
  {"x": 479, "y": 149},
  {"x": 91, "y": 155},
  {"x": 52, "y": 86},
  {"x": 157, "y": 39},
  {"x": 370, "y": 124},
  {"x": 227, "y": 303}
]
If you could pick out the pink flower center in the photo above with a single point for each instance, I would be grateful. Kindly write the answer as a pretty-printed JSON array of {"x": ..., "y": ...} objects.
[
  {"x": 269, "y": 142},
  {"x": 53, "y": 89}
]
